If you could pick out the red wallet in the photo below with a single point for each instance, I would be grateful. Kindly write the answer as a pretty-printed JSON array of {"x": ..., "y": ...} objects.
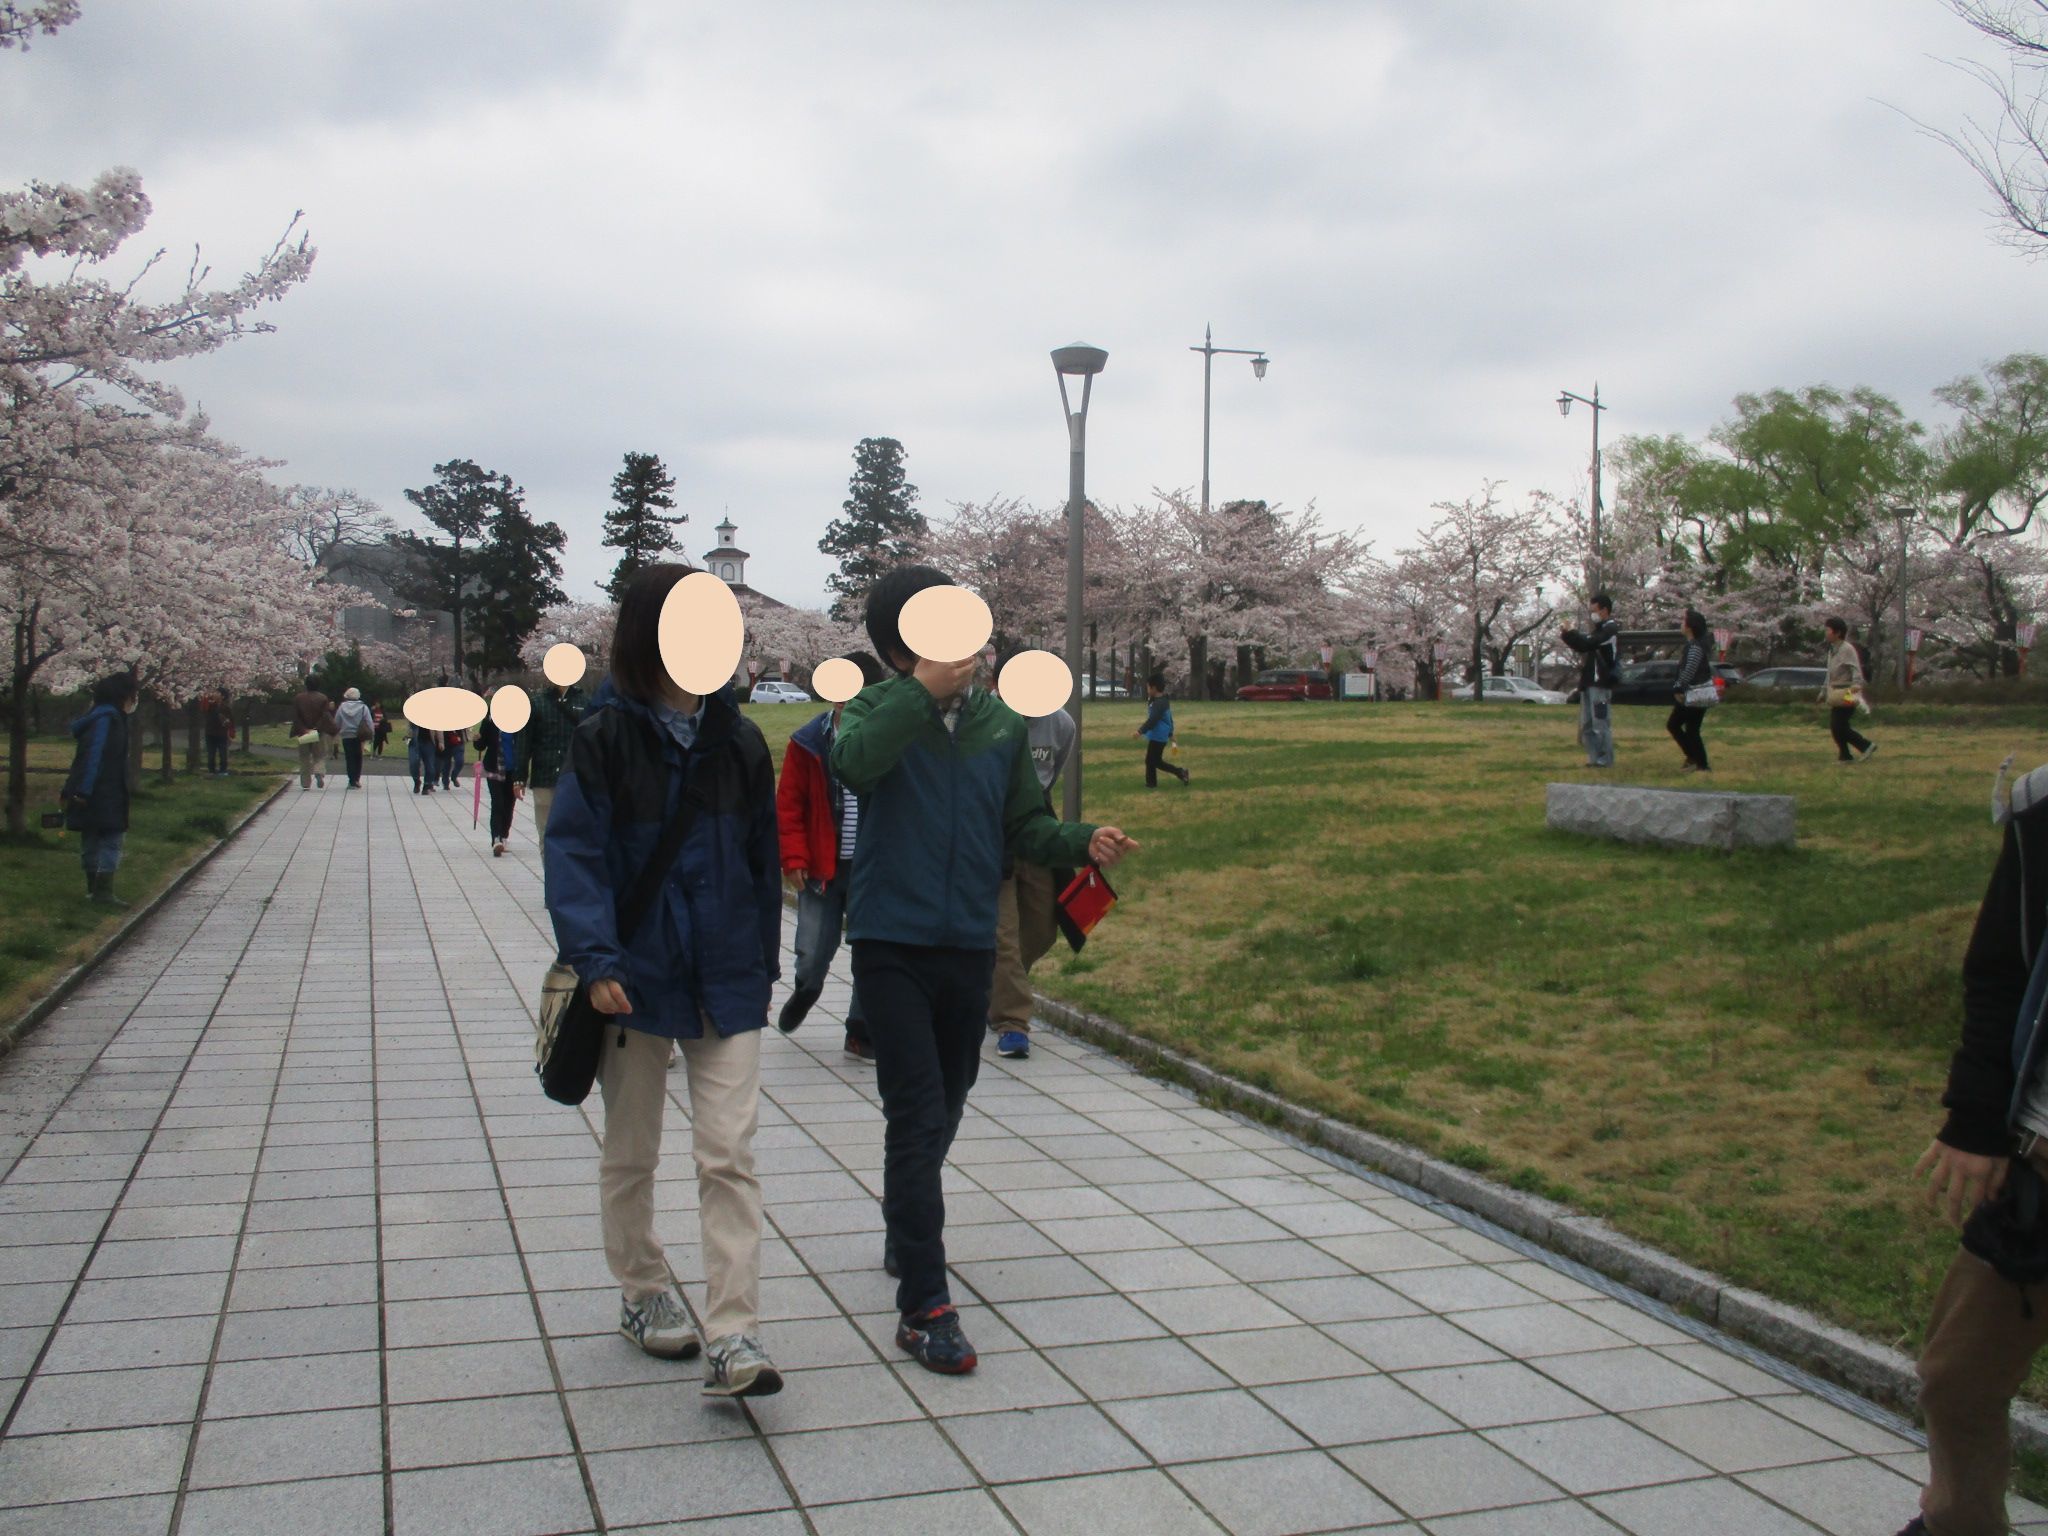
[{"x": 1083, "y": 904}]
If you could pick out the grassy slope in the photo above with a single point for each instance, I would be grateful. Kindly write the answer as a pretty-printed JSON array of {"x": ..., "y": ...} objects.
[
  {"x": 46, "y": 923},
  {"x": 1737, "y": 1059}
]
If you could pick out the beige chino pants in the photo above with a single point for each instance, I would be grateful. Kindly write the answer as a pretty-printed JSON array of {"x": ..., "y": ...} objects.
[
  {"x": 1025, "y": 930},
  {"x": 311, "y": 761},
  {"x": 542, "y": 799},
  {"x": 725, "y": 1103}
]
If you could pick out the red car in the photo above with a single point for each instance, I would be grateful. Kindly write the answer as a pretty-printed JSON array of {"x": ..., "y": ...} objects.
[{"x": 1293, "y": 684}]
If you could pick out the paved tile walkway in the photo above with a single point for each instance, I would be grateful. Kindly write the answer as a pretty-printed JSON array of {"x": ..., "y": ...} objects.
[{"x": 289, "y": 1241}]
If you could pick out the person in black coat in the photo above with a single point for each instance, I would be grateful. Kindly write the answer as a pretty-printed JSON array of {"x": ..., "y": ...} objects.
[
  {"x": 96, "y": 788},
  {"x": 1695, "y": 669}
]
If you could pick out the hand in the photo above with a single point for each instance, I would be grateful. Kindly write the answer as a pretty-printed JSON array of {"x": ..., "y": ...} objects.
[
  {"x": 797, "y": 878},
  {"x": 518, "y": 790},
  {"x": 1959, "y": 1180},
  {"x": 1108, "y": 845},
  {"x": 944, "y": 679},
  {"x": 609, "y": 997}
]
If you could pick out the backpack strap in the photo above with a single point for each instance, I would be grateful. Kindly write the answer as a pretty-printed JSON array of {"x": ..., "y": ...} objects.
[{"x": 641, "y": 894}]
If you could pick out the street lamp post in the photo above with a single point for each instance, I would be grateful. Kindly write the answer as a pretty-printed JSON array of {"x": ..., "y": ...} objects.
[
  {"x": 1209, "y": 351},
  {"x": 1564, "y": 408},
  {"x": 1081, "y": 362}
]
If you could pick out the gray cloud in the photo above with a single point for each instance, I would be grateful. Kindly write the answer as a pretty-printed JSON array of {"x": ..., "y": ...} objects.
[{"x": 745, "y": 237}]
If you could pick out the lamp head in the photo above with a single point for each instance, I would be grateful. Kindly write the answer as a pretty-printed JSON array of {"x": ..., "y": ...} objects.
[
  {"x": 1258, "y": 367},
  {"x": 1564, "y": 405},
  {"x": 1078, "y": 360}
]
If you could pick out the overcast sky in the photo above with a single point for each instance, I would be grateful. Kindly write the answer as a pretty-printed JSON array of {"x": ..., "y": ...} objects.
[{"x": 745, "y": 236}]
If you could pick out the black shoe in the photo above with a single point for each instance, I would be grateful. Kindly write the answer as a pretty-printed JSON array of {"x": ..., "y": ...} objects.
[
  {"x": 934, "y": 1340},
  {"x": 890, "y": 1267},
  {"x": 797, "y": 1009},
  {"x": 859, "y": 1049},
  {"x": 103, "y": 893}
]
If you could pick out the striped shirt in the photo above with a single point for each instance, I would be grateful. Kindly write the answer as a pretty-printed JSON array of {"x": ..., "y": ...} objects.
[{"x": 849, "y": 822}]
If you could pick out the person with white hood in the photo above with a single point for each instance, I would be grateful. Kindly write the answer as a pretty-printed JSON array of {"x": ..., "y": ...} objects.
[{"x": 356, "y": 726}]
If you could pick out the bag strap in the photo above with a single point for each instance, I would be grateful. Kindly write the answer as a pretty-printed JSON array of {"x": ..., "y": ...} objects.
[{"x": 641, "y": 895}]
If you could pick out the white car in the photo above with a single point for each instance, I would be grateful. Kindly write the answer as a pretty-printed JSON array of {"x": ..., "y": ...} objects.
[
  {"x": 1513, "y": 689},
  {"x": 773, "y": 692}
]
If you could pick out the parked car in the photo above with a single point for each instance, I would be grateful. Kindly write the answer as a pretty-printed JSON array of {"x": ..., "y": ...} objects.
[
  {"x": 1518, "y": 689},
  {"x": 1727, "y": 676},
  {"x": 1812, "y": 679},
  {"x": 1288, "y": 683},
  {"x": 769, "y": 691},
  {"x": 1106, "y": 688}
]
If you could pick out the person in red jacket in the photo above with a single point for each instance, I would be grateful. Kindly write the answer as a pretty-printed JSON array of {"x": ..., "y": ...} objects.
[{"x": 818, "y": 816}]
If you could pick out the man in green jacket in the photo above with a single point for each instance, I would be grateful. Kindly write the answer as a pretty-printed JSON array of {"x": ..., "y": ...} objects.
[
  {"x": 539, "y": 751},
  {"x": 947, "y": 788}
]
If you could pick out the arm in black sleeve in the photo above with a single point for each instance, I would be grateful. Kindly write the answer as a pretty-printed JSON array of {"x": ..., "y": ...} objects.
[
  {"x": 1577, "y": 641},
  {"x": 1979, "y": 1093}
]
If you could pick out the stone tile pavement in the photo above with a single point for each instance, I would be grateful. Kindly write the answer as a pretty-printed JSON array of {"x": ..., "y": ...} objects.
[{"x": 290, "y": 1241}]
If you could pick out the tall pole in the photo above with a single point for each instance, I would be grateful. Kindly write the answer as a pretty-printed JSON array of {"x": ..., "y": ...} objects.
[
  {"x": 1598, "y": 578},
  {"x": 1077, "y": 481},
  {"x": 1208, "y": 366},
  {"x": 1082, "y": 362}
]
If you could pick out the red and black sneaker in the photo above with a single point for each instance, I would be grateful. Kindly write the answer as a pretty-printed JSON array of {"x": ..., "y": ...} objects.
[{"x": 934, "y": 1340}]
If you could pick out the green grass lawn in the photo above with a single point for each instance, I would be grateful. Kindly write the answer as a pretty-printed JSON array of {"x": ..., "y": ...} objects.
[
  {"x": 46, "y": 924},
  {"x": 1737, "y": 1059}
]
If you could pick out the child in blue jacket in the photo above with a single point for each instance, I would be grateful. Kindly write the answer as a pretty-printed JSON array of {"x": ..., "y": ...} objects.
[{"x": 1157, "y": 731}]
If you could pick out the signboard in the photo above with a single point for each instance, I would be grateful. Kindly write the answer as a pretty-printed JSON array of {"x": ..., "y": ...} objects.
[{"x": 1355, "y": 685}]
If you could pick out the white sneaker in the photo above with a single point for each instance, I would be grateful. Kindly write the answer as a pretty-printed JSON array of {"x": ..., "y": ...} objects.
[
  {"x": 737, "y": 1366},
  {"x": 660, "y": 1326}
]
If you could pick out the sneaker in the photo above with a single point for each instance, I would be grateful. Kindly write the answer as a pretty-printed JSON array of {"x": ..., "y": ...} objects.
[
  {"x": 1014, "y": 1043},
  {"x": 1868, "y": 753},
  {"x": 497, "y": 850},
  {"x": 797, "y": 1009},
  {"x": 859, "y": 1049},
  {"x": 934, "y": 1340},
  {"x": 660, "y": 1326},
  {"x": 737, "y": 1366}
]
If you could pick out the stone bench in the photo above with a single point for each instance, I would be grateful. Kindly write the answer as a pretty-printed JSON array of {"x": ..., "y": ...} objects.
[{"x": 1673, "y": 818}]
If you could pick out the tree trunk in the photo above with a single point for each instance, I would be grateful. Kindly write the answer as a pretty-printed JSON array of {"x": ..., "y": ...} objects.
[
  {"x": 163, "y": 741},
  {"x": 1093, "y": 675},
  {"x": 1198, "y": 666},
  {"x": 134, "y": 764},
  {"x": 17, "y": 725},
  {"x": 1244, "y": 665},
  {"x": 192, "y": 736},
  {"x": 241, "y": 715}
]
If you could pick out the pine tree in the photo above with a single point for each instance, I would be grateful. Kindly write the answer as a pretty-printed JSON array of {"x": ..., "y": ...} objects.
[
  {"x": 518, "y": 571},
  {"x": 460, "y": 503},
  {"x": 641, "y": 492},
  {"x": 879, "y": 526}
]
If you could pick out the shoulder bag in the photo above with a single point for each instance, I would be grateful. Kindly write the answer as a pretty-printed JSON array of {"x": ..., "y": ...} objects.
[{"x": 571, "y": 1030}]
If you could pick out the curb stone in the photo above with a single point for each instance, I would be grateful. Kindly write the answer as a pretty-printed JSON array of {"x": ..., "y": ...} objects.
[
  {"x": 15, "y": 1030},
  {"x": 1873, "y": 1371}
]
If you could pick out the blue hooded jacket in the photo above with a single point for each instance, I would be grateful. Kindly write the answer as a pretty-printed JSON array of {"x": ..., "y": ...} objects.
[
  {"x": 710, "y": 944},
  {"x": 99, "y": 772}
]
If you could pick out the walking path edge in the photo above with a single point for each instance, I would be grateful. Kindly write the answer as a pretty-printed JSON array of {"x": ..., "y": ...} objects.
[
  {"x": 1873, "y": 1372},
  {"x": 13, "y": 1031}
]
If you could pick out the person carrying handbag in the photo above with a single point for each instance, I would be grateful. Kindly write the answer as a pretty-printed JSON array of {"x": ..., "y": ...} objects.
[
  {"x": 1695, "y": 693},
  {"x": 1844, "y": 693},
  {"x": 660, "y": 780}
]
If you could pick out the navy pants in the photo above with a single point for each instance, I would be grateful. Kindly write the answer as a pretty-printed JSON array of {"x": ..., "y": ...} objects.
[{"x": 927, "y": 1014}]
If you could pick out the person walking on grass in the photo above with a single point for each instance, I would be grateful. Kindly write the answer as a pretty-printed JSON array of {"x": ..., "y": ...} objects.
[
  {"x": 1027, "y": 913},
  {"x": 353, "y": 718},
  {"x": 1599, "y": 647},
  {"x": 380, "y": 728},
  {"x": 1157, "y": 731},
  {"x": 1695, "y": 670},
  {"x": 1844, "y": 695},
  {"x": 947, "y": 792},
  {"x": 492, "y": 747},
  {"x": 423, "y": 757},
  {"x": 820, "y": 824},
  {"x": 95, "y": 792},
  {"x": 312, "y": 714},
  {"x": 218, "y": 723},
  {"x": 542, "y": 747},
  {"x": 655, "y": 772},
  {"x": 1987, "y": 1172}
]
